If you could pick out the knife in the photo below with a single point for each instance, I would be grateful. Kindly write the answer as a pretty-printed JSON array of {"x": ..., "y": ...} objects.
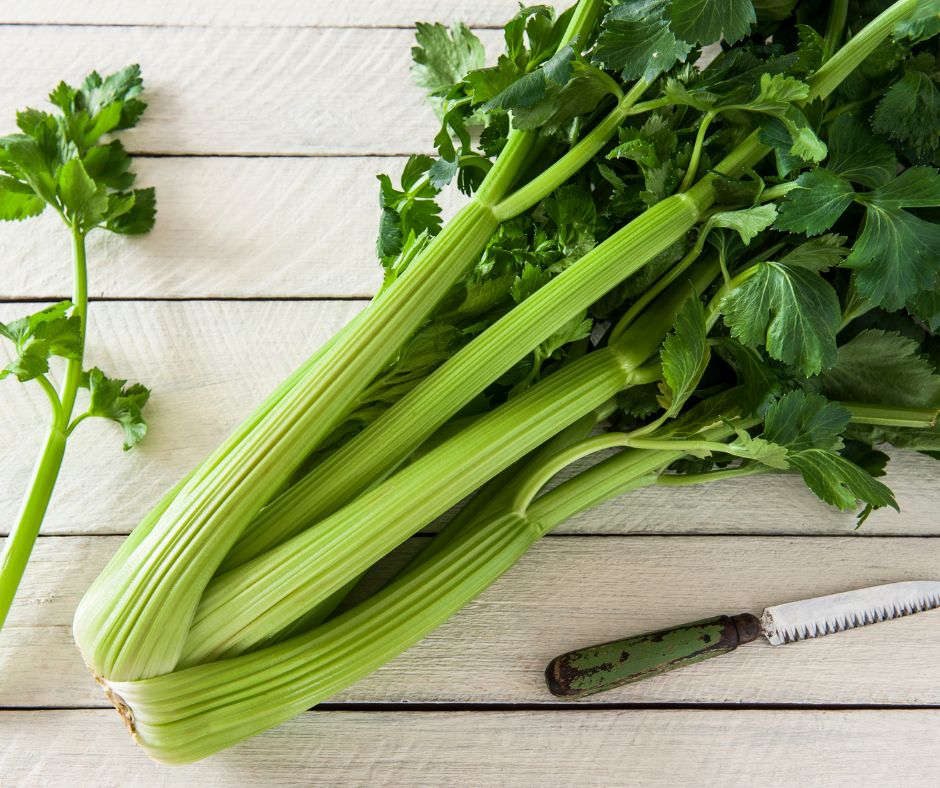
[{"x": 608, "y": 665}]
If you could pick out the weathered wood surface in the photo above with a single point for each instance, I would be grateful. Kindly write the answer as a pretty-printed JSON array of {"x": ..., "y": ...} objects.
[
  {"x": 777, "y": 749},
  {"x": 276, "y": 13},
  {"x": 570, "y": 592},
  {"x": 210, "y": 362},
  {"x": 248, "y": 91}
]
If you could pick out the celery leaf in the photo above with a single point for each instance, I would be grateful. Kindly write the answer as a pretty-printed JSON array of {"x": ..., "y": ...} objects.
[
  {"x": 791, "y": 311},
  {"x": 111, "y": 398}
]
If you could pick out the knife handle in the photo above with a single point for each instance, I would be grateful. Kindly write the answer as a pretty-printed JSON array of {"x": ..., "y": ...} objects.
[{"x": 608, "y": 665}]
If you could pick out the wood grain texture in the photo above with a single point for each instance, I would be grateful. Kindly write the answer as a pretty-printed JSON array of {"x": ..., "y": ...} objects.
[
  {"x": 226, "y": 227},
  {"x": 586, "y": 748},
  {"x": 566, "y": 593},
  {"x": 209, "y": 363},
  {"x": 252, "y": 91},
  {"x": 244, "y": 13}
]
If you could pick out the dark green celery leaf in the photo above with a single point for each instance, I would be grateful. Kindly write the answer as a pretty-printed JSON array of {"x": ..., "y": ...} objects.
[
  {"x": 809, "y": 50},
  {"x": 910, "y": 113},
  {"x": 802, "y": 421},
  {"x": 926, "y": 306},
  {"x": 639, "y": 402},
  {"x": 442, "y": 57},
  {"x": 774, "y": 10},
  {"x": 706, "y": 21},
  {"x": 408, "y": 210},
  {"x": 109, "y": 164},
  {"x": 896, "y": 255},
  {"x": 791, "y": 311},
  {"x": 841, "y": 483},
  {"x": 735, "y": 192},
  {"x": 528, "y": 89},
  {"x": 882, "y": 368},
  {"x": 775, "y": 134},
  {"x": 759, "y": 383},
  {"x": 818, "y": 254},
  {"x": 132, "y": 213},
  {"x": 636, "y": 40},
  {"x": 857, "y": 155},
  {"x": 487, "y": 83},
  {"x": 563, "y": 101},
  {"x": 684, "y": 355},
  {"x": 112, "y": 399},
  {"x": 870, "y": 460},
  {"x": 654, "y": 148},
  {"x": 815, "y": 205},
  {"x": 494, "y": 135}
]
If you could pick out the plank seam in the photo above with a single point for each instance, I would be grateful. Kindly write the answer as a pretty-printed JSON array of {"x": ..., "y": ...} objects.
[
  {"x": 164, "y": 26},
  {"x": 183, "y": 299},
  {"x": 615, "y": 535},
  {"x": 450, "y": 707}
]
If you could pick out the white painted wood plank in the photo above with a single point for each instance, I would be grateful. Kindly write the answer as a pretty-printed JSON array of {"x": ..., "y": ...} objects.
[
  {"x": 209, "y": 363},
  {"x": 570, "y": 592},
  {"x": 276, "y": 13},
  {"x": 239, "y": 90},
  {"x": 231, "y": 227},
  {"x": 544, "y": 749}
]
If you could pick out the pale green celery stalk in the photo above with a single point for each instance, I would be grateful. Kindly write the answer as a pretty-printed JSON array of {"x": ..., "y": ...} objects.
[
  {"x": 245, "y": 607},
  {"x": 409, "y": 422},
  {"x": 19, "y": 544},
  {"x": 891, "y": 415},
  {"x": 189, "y": 714},
  {"x": 133, "y": 622}
]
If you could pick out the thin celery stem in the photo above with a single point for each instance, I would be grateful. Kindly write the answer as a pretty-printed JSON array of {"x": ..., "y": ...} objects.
[
  {"x": 73, "y": 370},
  {"x": 637, "y": 307},
  {"x": 697, "y": 150},
  {"x": 835, "y": 27},
  {"x": 891, "y": 415},
  {"x": 528, "y": 486},
  {"x": 53, "y": 396},
  {"x": 19, "y": 544},
  {"x": 688, "y": 479},
  {"x": 831, "y": 74},
  {"x": 713, "y": 308},
  {"x": 776, "y": 192}
]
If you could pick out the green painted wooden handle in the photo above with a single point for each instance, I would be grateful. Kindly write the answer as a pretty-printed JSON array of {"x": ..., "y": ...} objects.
[{"x": 609, "y": 665}]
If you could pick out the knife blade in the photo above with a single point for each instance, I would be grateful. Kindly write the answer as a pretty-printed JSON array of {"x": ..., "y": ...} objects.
[{"x": 608, "y": 665}]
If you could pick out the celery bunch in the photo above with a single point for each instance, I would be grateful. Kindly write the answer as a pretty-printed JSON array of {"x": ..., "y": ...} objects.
[{"x": 711, "y": 270}]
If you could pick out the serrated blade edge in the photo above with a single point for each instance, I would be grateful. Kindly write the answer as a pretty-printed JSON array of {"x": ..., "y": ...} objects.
[{"x": 811, "y": 618}]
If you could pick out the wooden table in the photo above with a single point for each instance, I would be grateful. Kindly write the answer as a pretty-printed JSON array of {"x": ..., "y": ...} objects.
[{"x": 267, "y": 122}]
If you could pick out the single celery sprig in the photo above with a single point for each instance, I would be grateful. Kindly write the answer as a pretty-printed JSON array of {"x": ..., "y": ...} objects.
[{"x": 58, "y": 160}]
